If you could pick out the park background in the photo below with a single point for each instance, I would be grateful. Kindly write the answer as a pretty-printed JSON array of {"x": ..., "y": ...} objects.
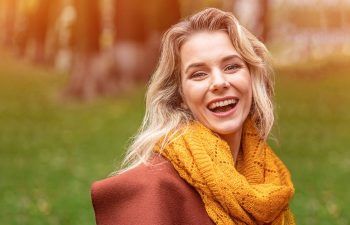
[{"x": 73, "y": 75}]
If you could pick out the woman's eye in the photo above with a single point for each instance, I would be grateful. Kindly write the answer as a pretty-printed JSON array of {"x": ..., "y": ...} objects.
[
  {"x": 197, "y": 75},
  {"x": 232, "y": 67}
]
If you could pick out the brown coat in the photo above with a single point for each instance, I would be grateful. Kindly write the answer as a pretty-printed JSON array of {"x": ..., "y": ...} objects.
[{"x": 148, "y": 195}]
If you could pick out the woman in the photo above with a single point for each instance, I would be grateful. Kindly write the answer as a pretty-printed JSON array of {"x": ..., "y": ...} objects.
[{"x": 200, "y": 156}]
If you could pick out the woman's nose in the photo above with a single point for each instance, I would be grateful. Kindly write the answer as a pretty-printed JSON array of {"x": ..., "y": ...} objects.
[{"x": 218, "y": 81}]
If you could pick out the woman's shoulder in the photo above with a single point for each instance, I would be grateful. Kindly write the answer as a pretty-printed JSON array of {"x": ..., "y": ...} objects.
[
  {"x": 157, "y": 174},
  {"x": 147, "y": 194}
]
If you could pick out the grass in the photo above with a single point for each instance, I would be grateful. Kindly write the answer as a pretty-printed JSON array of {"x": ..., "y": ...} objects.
[
  {"x": 313, "y": 105},
  {"x": 51, "y": 150}
]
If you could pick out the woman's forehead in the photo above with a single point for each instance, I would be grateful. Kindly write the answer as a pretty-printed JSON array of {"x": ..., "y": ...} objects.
[{"x": 207, "y": 46}]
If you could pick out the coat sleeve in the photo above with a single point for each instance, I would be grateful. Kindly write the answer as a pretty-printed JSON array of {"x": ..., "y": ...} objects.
[{"x": 147, "y": 197}]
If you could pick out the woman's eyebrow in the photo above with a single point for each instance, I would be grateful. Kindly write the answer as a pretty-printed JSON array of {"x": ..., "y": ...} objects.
[
  {"x": 229, "y": 57},
  {"x": 193, "y": 65}
]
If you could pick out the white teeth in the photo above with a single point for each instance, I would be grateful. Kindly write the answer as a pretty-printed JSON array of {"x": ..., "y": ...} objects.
[{"x": 222, "y": 103}]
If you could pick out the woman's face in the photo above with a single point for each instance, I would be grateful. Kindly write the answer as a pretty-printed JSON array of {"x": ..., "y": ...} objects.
[{"x": 216, "y": 83}]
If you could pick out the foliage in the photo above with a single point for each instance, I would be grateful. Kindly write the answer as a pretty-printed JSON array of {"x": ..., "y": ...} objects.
[{"x": 51, "y": 150}]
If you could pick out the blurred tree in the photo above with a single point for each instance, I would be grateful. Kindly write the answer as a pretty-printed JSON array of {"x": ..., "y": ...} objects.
[
  {"x": 23, "y": 29},
  {"x": 130, "y": 20},
  {"x": 254, "y": 15},
  {"x": 39, "y": 26},
  {"x": 30, "y": 24},
  {"x": 139, "y": 25},
  {"x": 131, "y": 58},
  {"x": 9, "y": 10},
  {"x": 88, "y": 27},
  {"x": 60, "y": 40},
  {"x": 84, "y": 80},
  {"x": 263, "y": 25},
  {"x": 162, "y": 14}
]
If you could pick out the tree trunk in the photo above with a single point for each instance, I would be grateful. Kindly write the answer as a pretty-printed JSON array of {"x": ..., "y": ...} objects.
[
  {"x": 254, "y": 15},
  {"x": 139, "y": 25},
  {"x": 9, "y": 21},
  {"x": 39, "y": 26},
  {"x": 263, "y": 21},
  {"x": 131, "y": 59},
  {"x": 84, "y": 80}
]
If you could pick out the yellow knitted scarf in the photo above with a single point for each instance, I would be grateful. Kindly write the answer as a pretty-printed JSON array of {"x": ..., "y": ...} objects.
[{"x": 254, "y": 191}]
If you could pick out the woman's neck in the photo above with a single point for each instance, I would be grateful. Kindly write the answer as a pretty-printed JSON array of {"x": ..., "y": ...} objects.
[{"x": 234, "y": 142}]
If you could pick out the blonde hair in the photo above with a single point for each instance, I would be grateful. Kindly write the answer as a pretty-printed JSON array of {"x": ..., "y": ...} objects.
[{"x": 163, "y": 98}]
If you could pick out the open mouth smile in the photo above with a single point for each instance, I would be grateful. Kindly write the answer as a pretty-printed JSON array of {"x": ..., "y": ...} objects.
[{"x": 223, "y": 106}]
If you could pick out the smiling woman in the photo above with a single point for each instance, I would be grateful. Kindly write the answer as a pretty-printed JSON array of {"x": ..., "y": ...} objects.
[
  {"x": 216, "y": 85},
  {"x": 201, "y": 155}
]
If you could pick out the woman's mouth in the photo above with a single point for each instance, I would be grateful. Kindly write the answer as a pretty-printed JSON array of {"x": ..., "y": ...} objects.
[{"x": 223, "y": 106}]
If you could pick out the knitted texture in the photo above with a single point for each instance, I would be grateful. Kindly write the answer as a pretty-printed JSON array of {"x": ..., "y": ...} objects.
[{"x": 254, "y": 191}]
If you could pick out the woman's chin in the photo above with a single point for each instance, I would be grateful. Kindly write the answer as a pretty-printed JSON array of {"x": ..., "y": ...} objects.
[{"x": 227, "y": 128}]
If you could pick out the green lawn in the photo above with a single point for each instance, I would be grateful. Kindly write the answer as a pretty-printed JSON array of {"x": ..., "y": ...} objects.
[
  {"x": 314, "y": 130},
  {"x": 51, "y": 150}
]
